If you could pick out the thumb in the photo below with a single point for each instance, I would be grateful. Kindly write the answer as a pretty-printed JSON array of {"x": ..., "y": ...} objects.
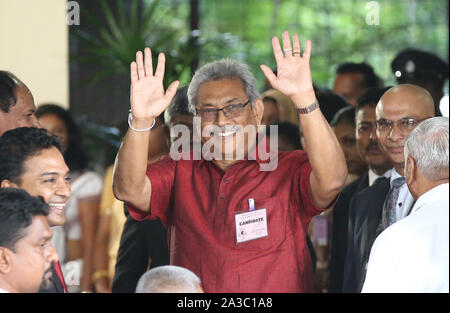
[
  {"x": 171, "y": 91},
  {"x": 269, "y": 75}
]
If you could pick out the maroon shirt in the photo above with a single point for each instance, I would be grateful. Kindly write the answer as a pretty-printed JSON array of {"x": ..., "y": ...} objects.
[{"x": 197, "y": 201}]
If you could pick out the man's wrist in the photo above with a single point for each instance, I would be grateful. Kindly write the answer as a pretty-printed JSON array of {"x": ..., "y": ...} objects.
[
  {"x": 310, "y": 108},
  {"x": 141, "y": 124},
  {"x": 304, "y": 99}
]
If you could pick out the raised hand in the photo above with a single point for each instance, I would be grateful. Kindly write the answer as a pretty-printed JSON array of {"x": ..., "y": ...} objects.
[
  {"x": 293, "y": 69},
  {"x": 148, "y": 99}
]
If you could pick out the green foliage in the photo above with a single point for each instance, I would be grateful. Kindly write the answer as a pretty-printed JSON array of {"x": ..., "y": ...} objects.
[
  {"x": 337, "y": 29},
  {"x": 115, "y": 44}
]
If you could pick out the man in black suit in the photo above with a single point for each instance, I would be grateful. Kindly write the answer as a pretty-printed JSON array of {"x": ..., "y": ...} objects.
[
  {"x": 378, "y": 163},
  {"x": 31, "y": 159},
  {"x": 372, "y": 210}
]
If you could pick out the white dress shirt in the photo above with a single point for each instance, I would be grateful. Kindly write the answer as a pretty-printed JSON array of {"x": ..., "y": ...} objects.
[
  {"x": 373, "y": 176},
  {"x": 412, "y": 255},
  {"x": 405, "y": 200},
  {"x": 3, "y": 291}
]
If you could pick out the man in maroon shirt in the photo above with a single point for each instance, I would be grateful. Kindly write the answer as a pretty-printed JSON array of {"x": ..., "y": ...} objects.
[{"x": 238, "y": 227}]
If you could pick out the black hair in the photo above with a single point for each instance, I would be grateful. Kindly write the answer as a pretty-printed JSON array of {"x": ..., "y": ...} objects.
[
  {"x": 344, "y": 116},
  {"x": 370, "y": 97},
  {"x": 370, "y": 79},
  {"x": 8, "y": 85},
  {"x": 17, "y": 209},
  {"x": 17, "y": 145},
  {"x": 330, "y": 103},
  {"x": 74, "y": 155},
  {"x": 289, "y": 132}
]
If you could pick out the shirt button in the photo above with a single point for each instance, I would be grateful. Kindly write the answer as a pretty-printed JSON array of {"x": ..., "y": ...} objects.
[
  {"x": 222, "y": 198},
  {"x": 227, "y": 181}
]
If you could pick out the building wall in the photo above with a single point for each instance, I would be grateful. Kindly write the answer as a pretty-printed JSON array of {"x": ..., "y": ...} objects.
[{"x": 34, "y": 46}]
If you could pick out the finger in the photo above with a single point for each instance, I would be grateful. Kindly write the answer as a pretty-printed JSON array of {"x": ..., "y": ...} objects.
[
  {"x": 269, "y": 75},
  {"x": 277, "y": 49},
  {"x": 286, "y": 43},
  {"x": 296, "y": 44},
  {"x": 148, "y": 62},
  {"x": 160, "y": 68},
  {"x": 133, "y": 72},
  {"x": 140, "y": 65},
  {"x": 307, "y": 52}
]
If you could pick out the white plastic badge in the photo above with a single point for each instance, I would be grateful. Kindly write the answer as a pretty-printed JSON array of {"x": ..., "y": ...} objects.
[{"x": 251, "y": 225}]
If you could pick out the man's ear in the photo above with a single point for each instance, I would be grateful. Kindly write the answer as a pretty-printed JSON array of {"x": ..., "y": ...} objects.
[
  {"x": 8, "y": 184},
  {"x": 5, "y": 260},
  {"x": 410, "y": 170},
  {"x": 258, "y": 110}
]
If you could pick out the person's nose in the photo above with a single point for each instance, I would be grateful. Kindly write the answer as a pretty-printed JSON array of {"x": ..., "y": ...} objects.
[
  {"x": 64, "y": 189},
  {"x": 221, "y": 119},
  {"x": 395, "y": 133},
  {"x": 373, "y": 134},
  {"x": 35, "y": 122},
  {"x": 51, "y": 255}
]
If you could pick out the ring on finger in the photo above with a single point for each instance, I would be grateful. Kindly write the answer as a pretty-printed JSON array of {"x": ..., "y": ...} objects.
[
  {"x": 287, "y": 52},
  {"x": 296, "y": 53}
]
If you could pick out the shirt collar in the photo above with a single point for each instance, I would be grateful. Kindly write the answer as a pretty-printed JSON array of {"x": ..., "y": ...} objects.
[
  {"x": 394, "y": 175},
  {"x": 438, "y": 193},
  {"x": 374, "y": 176}
]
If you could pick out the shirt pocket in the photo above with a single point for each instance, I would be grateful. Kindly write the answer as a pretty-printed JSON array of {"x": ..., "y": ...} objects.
[{"x": 276, "y": 225}]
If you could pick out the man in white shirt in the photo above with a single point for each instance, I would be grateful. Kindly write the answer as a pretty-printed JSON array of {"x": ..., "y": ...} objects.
[
  {"x": 26, "y": 252},
  {"x": 413, "y": 254}
]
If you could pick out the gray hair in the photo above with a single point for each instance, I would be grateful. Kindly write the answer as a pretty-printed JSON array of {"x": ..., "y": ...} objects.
[
  {"x": 168, "y": 279},
  {"x": 428, "y": 144},
  {"x": 225, "y": 68},
  {"x": 178, "y": 106}
]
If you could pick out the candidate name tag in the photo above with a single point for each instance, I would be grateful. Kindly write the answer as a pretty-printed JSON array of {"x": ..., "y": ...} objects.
[{"x": 251, "y": 225}]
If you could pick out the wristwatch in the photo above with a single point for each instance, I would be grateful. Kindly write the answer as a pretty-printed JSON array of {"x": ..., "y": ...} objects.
[{"x": 309, "y": 108}]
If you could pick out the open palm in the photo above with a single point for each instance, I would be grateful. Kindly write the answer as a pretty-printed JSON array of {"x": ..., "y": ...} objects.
[
  {"x": 147, "y": 95},
  {"x": 293, "y": 71}
]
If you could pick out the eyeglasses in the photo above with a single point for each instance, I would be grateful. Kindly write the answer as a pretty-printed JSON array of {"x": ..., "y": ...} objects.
[
  {"x": 404, "y": 124},
  {"x": 230, "y": 111}
]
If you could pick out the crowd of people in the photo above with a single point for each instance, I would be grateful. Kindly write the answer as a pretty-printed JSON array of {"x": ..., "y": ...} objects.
[{"x": 219, "y": 188}]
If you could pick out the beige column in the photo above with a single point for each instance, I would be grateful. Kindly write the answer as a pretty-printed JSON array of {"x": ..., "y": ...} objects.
[{"x": 34, "y": 46}]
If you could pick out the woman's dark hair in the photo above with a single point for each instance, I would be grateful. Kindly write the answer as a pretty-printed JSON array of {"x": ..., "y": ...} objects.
[
  {"x": 344, "y": 116},
  {"x": 330, "y": 103},
  {"x": 74, "y": 155},
  {"x": 288, "y": 132}
]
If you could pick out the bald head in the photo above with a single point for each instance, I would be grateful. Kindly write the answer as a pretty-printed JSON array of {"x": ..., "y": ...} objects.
[
  {"x": 406, "y": 97},
  {"x": 403, "y": 107}
]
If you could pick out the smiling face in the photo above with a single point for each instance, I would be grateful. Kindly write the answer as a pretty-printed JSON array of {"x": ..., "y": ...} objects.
[
  {"x": 47, "y": 175},
  {"x": 21, "y": 114},
  {"x": 221, "y": 93},
  {"x": 400, "y": 102},
  {"x": 30, "y": 263}
]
